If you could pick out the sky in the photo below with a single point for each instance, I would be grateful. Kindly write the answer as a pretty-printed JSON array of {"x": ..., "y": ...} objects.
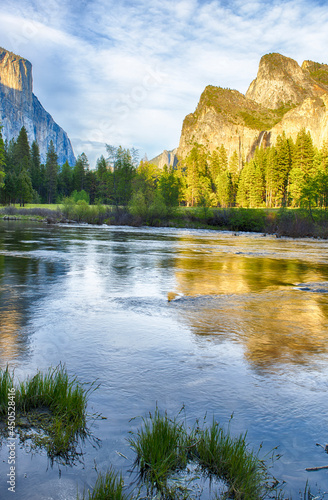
[{"x": 128, "y": 72}]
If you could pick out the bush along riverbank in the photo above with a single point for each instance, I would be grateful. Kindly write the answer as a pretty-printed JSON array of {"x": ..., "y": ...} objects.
[{"x": 295, "y": 223}]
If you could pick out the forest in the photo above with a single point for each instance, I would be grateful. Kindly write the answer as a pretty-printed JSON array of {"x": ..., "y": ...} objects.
[{"x": 288, "y": 174}]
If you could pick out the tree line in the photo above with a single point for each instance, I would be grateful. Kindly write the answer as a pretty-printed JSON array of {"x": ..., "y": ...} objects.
[{"x": 288, "y": 174}]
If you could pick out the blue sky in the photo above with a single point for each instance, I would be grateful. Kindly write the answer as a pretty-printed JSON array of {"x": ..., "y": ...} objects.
[{"x": 128, "y": 72}]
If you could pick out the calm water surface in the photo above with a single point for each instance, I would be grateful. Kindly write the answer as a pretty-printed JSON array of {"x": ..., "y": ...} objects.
[{"x": 246, "y": 333}]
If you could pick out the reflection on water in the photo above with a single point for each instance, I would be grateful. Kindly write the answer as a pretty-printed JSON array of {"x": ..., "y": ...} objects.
[
  {"x": 244, "y": 331},
  {"x": 254, "y": 300}
]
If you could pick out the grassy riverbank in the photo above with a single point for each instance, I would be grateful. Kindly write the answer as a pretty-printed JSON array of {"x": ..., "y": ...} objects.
[{"x": 281, "y": 222}]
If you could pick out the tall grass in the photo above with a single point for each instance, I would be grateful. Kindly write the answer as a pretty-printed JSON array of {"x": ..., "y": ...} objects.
[
  {"x": 219, "y": 454},
  {"x": 52, "y": 402},
  {"x": 6, "y": 383},
  {"x": 109, "y": 486},
  {"x": 160, "y": 447},
  {"x": 163, "y": 446}
]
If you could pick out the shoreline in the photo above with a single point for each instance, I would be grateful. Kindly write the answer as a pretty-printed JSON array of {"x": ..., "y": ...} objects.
[{"x": 294, "y": 224}]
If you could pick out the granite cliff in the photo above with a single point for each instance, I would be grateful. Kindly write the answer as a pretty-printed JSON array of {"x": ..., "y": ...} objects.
[
  {"x": 168, "y": 158},
  {"x": 20, "y": 107},
  {"x": 284, "y": 97}
]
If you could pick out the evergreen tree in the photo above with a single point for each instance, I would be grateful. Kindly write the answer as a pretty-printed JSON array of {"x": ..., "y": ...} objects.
[
  {"x": 256, "y": 185},
  {"x": 9, "y": 155},
  {"x": 146, "y": 179},
  {"x": 123, "y": 164},
  {"x": 35, "y": 170},
  {"x": 24, "y": 184},
  {"x": 104, "y": 181},
  {"x": 242, "y": 196},
  {"x": 91, "y": 185},
  {"x": 303, "y": 167},
  {"x": 233, "y": 168},
  {"x": 223, "y": 158},
  {"x": 65, "y": 180},
  {"x": 79, "y": 172},
  {"x": 169, "y": 186},
  {"x": 21, "y": 150},
  {"x": 214, "y": 164},
  {"x": 284, "y": 158},
  {"x": 2, "y": 160},
  {"x": 10, "y": 187},
  {"x": 197, "y": 176},
  {"x": 224, "y": 189},
  {"x": 51, "y": 173}
]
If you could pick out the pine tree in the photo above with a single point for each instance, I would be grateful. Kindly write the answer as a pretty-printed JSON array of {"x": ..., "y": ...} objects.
[
  {"x": 2, "y": 160},
  {"x": 233, "y": 168},
  {"x": 79, "y": 172},
  {"x": 36, "y": 170},
  {"x": 224, "y": 189},
  {"x": 242, "y": 196},
  {"x": 284, "y": 157},
  {"x": 302, "y": 168},
  {"x": 198, "y": 180},
  {"x": 51, "y": 173},
  {"x": 21, "y": 150},
  {"x": 104, "y": 181},
  {"x": 123, "y": 164},
  {"x": 169, "y": 186},
  {"x": 65, "y": 180},
  {"x": 10, "y": 187},
  {"x": 24, "y": 184}
]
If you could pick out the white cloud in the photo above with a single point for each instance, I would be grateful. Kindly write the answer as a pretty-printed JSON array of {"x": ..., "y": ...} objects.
[{"x": 128, "y": 72}]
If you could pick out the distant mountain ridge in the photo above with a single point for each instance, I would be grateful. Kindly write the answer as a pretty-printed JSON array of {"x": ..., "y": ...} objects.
[
  {"x": 20, "y": 107},
  {"x": 168, "y": 158},
  {"x": 284, "y": 97}
]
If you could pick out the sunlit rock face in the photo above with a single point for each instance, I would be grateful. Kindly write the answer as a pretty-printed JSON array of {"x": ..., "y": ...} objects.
[
  {"x": 284, "y": 97},
  {"x": 167, "y": 158},
  {"x": 20, "y": 107},
  {"x": 280, "y": 81}
]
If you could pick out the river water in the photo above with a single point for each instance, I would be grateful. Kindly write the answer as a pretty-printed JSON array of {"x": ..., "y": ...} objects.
[{"x": 244, "y": 332}]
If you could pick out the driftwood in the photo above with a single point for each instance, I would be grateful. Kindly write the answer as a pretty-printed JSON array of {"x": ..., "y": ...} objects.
[
  {"x": 325, "y": 447},
  {"x": 317, "y": 468}
]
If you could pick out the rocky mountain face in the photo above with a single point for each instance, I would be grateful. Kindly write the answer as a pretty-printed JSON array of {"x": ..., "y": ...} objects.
[
  {"x": 284, "y": 97},
  {"x": 20, "y": 107},
  {"x": 168, "y": 158}
]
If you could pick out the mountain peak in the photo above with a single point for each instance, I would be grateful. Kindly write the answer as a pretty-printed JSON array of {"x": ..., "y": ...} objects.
[
  {"x": 20, "y": 107},
  {"x": 281, "y": 81},
  {"x": 284, "y": 97},
  {"x": 16, "y": 75}
]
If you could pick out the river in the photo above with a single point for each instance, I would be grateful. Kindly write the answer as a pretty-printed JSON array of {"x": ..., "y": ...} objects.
[{"x": 245, "y": 332}]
